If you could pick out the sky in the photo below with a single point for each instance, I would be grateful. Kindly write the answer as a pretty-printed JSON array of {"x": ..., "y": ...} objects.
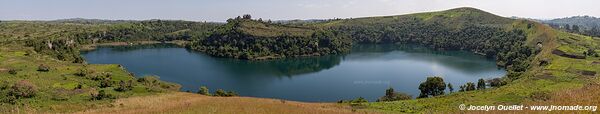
[{"x": 221, "y": 10}]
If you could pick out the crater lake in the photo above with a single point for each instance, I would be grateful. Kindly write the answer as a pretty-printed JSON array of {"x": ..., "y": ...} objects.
[{"x": 367, "y": 71}]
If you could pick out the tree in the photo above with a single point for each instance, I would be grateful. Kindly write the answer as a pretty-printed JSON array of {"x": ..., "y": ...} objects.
[
  {"x": 433, "y": 86},
  {"x": 575, "y": 28},
  {"x": 247, "y": 16},
  {"x": 595, "y": 31},
  {"x": 204, "y": 91},
  {"x": 470, "y": 86},
  {"x": 481, "y": 84},
  {"x": 450, "y": 88},
  {"x": 390, "y": 95}
]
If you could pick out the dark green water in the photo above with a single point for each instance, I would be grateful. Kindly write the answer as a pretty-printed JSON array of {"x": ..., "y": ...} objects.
[{"x": 365, "y": 72}]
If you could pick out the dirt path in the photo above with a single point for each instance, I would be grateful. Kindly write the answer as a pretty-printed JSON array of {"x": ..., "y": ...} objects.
[{"x": 181, "y": 102}]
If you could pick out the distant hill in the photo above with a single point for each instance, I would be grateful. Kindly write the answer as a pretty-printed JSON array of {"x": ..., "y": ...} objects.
[
  {"x": 583, "y": 21},
  {"x": 587, "y": 25}
]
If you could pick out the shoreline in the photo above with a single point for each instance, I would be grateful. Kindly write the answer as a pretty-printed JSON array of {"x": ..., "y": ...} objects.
[{"x": 90, "y": 47}]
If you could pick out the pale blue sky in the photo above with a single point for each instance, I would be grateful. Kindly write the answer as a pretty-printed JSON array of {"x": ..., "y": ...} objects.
[{"x": 220, "y": 10}]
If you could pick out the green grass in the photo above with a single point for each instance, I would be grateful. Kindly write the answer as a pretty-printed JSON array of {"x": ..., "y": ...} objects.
[{"x": 56, "y": 88}]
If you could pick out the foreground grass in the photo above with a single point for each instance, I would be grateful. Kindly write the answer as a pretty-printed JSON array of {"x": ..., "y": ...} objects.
[{"x": 189, "y": 103}]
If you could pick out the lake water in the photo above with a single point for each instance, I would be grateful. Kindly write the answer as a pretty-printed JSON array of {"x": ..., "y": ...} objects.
[{"x": 365, "y": 72}]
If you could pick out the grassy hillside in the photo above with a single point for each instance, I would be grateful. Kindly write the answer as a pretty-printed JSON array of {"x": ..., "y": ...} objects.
[{"x": 41, "y": 69}]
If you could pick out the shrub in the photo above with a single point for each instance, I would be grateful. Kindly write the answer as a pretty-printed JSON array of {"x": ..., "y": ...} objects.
[
  {"x": 450, "y": 88},
  {"x": 390, "y": 95},
  {"x": 12, "y": 71},
  {"x": 470, "y": 86},
  {"x": 82, "y": 72},
  {"x": 481, "y": 84},
  {"x": 223, "y": 93},
  {"x": 204, "y": 91},
  {"x": 101, "y": 95},
  {"x": 433, "y": 86},
  {"x": 591, "y": 52},
  {"x": 220, "y": 92},
  {"x": 496, "y": 82},
  {"x": 124, "y": 86},
  {"x": 540, "y": 96},
  {"x": 9, "y": 99},
  {"x": 23, "y": 89},
  {"x": 43, "y": 68},
  {"x": 359, "y": 100},
  {"x": 102, "y": 76},
  {"x": 105, "y": 83}
]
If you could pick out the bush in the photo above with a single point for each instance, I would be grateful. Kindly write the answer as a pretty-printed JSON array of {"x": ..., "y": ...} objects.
[
  {"x": 496, "y": 82},
  {"x": 204, "y": 91},
  {"x": 390, "y": 95},
  {"x": 124, "y": 86},
  {"x": 481, "y": 84},
  {"x": 102, "y": 76},
  {"x": 43, "y": 68},
  {"x": 470, "y": 86},
  {"x": 4, "y": 97},
  {"x": 149, "y": 80},
  {"x": 101, "y": 95},
  {"x": 433, "y": 86},
  {"x": 105, "y": 83},
  {"x": 223, "y": 93},
  {"x": 450, "y": 88},
  {"x": 540, "y": 96},
  {"x": 359, "y": 100},
  {"x": 12, "y": 71},
  {"x": 23, "y": 89},
  {"x": 591, "y": 52},
  {"x": 82, "y": 72}
]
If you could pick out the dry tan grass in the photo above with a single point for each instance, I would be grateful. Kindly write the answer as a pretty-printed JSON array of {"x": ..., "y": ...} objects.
[
  {"x": 181, "y": 102},
  {"x": 589, "y": 95}
]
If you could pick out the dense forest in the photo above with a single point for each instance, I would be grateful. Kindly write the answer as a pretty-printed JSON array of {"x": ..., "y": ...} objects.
[
  {"x": 245, "y": 38},
  {"x": 507, "y": 47}
]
